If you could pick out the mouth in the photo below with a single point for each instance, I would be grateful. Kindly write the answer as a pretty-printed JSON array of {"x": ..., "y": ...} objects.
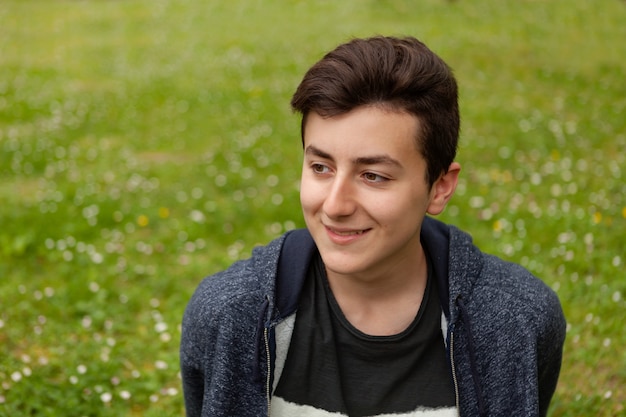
[
  {"x": 346, "y": 232},
  {"x": 351, "y": 233}
]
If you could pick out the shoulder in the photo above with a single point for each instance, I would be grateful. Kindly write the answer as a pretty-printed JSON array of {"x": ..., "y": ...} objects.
[
  {"x": 499, "y": 287},
  {"x": 272, "y": 274},
  {"x": 245, "y": 282},
  {"x": 517, "y": 283},
  {"x": 508, "y": 296}
]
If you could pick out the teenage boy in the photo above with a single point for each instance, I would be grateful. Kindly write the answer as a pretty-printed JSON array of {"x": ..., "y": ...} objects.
[{"x": 375, "y": 309}]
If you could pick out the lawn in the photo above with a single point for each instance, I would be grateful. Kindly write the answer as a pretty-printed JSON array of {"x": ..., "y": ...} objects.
[{"x": 147, "y": 144}]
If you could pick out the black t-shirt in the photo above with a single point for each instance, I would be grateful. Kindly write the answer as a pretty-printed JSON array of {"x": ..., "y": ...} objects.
[{"x": 333, "y": 366}]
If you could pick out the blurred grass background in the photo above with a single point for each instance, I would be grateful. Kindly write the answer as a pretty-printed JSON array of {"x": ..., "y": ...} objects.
[{"x": 146, "y": 144}]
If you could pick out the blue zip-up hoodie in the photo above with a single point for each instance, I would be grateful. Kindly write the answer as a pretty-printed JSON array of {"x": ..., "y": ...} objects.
[{"x": 504, "y": 329}]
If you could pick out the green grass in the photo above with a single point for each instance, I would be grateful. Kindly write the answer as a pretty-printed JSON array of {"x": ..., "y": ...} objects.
[{"x": 146, "y": 144}]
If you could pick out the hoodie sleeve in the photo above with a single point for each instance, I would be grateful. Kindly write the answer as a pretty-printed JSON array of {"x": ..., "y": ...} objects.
[
  {"x": 223, "y": 364},
  {"x": 193, "y": 354},
  {"x": 218, "y": 350},
  {"x": 550, "y": 349},
  {"x": 517, "y": 330}
]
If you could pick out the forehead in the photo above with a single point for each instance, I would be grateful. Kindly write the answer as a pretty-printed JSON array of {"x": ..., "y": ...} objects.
[{"x": 366, "y": 128}]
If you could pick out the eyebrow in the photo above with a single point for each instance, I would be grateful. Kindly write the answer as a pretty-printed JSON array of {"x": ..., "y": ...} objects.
[
  {"x": 312, "y": 150},
  {"x": 362, "y": 160}
]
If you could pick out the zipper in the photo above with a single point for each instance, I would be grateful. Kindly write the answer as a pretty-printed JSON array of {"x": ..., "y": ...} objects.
[
  {"x": 267, "y": 382},
  {"x": 454, "y": 379}
]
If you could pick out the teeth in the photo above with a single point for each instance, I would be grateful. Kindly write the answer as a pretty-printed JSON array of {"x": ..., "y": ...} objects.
[{"x": 359, "y": 232}]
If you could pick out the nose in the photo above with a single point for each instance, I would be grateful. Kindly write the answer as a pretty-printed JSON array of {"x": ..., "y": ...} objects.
[{"x": 340, "y": 200}]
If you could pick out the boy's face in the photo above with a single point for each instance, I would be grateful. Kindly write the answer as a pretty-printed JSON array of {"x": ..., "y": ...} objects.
[{"x": 363, "y": 191}]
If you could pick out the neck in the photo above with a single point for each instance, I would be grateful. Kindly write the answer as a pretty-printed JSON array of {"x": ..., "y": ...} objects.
[{"x": 384, "y": 304}]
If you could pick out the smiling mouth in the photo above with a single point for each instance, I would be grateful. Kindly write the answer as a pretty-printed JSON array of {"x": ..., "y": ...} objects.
[{"x": 347, "y": 232}]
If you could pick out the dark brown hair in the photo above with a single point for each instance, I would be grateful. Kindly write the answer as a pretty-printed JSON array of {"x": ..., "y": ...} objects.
[{"x": 400, "y": 74}]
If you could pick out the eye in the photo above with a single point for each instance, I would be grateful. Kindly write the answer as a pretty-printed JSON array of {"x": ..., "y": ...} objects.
[
  {"x": 372, "y": 177},
  {"x": 320, "y": 168}
]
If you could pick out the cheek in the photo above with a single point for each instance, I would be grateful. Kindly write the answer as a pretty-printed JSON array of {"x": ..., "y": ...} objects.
[
  {"x": 307, "y": 195},
  {"x": 400, "y": 208}
]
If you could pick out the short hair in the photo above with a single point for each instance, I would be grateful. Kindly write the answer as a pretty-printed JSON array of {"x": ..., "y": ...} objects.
[{"x": 400, "y": 74}]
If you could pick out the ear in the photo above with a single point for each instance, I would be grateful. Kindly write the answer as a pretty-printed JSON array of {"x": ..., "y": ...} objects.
[{"x": 443, "y": 189}]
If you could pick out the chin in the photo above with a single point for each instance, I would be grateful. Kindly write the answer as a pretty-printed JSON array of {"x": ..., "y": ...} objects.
[{"x": 342, "y": 264}]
